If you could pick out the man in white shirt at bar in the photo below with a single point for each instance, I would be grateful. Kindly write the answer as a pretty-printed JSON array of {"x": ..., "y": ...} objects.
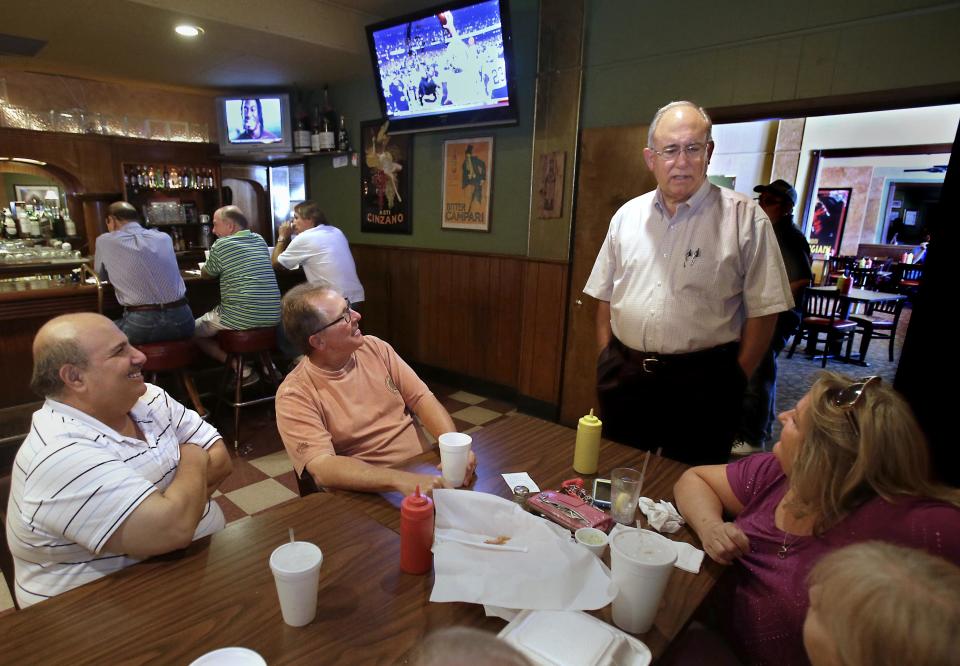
[
  {"x": 113, "y": 471},
  {"x": 689, "y": 281},
  {"x": 321, "y": 249}
]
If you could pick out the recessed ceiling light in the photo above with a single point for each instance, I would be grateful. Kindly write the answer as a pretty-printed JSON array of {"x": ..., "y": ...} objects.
[{"x": 188, "y": 30}]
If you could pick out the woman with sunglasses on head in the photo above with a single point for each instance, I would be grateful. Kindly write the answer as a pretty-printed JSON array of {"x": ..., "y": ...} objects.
[{"x": 851, "y": 465}]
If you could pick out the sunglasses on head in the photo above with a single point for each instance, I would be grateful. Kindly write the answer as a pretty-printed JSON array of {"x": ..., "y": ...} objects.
[{"x": 847, "y": 398}]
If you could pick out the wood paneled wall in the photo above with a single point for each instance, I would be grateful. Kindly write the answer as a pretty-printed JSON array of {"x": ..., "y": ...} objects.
[{"x": 491, "y": 317}]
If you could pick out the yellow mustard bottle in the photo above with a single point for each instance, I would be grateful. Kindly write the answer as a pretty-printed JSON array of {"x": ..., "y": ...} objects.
[{"x": 586, "y": 454}]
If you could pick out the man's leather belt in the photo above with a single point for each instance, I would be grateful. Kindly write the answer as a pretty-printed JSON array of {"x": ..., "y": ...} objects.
[
  {"x": 156, "y": 306},
  {"x": 652, "y": 361}
]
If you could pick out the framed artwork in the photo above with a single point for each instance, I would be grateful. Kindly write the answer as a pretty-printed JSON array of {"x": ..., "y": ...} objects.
[
  {"x": 467, "y": 174},
  {"x": 34, "y": 194},
  {"x": 385, "y": 174},
  {"x": 910, "y": 218},
  {"x": 549, "y": 199},
  {"x": 828, "y": 217}
]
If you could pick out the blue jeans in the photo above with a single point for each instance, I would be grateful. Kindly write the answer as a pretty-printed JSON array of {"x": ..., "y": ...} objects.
[
  {"x": 759, "y": 403},
  {"x": 143, "y": 326}
]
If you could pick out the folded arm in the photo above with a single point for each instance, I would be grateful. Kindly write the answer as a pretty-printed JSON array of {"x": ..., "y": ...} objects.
[
  {"x": 703, "y": 497},
  {"x": 167, "y": 520},
  {"x": 219, "y": 467}
]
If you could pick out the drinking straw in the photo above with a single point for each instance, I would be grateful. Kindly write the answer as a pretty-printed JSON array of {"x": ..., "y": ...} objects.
[
  {"x": 291, "y": 535},
  {"x": 643, "y": 472}
]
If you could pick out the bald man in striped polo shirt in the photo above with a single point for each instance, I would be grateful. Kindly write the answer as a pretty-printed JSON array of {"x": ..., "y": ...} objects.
[
  {"x": 249, "y": 295},
  {"x": 114, "y": 470}
]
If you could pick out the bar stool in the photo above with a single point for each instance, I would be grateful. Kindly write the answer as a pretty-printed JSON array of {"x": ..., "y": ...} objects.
[
  {"x": 254, "y": 341},
  {"x": 173, "y": 356}
]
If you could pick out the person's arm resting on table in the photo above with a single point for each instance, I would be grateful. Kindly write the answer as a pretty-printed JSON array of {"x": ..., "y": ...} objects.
[
  {"x": 755, "y": 340},
  {"x": 704, "y": 496},
  {"x": 346, "y": 473},
  {"x": 167, "y": 520}
]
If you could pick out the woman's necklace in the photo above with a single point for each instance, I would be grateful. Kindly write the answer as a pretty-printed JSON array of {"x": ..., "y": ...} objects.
[{"x": 784, "y": 547}]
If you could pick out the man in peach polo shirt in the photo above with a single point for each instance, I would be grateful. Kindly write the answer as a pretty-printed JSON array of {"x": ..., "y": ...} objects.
[{"x": 344, "y": 411}]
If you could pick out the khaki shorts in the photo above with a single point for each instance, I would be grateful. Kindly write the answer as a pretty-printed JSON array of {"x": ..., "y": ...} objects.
[{"x": 208, "y": 325}]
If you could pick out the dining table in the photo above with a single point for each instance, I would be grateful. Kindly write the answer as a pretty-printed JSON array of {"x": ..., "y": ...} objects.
[
  {"x": 220, "y": 592},
  {"x": 867, "y": 298}
]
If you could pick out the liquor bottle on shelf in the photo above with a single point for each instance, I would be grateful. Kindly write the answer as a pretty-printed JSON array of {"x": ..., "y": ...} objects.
[
  {"x": 343, "y": 140},
  {"x": 327, "y": 140},
  {"x": 68, "y": 225},
  {"x": 59, "y": 228},
  {"x": 301, "y": 136},
  {"x": 315, "y": 140},
  {"x": 151, "y": 178},
  {"x": 328, "y": 113},
  {"x": 9, "y": 225}
]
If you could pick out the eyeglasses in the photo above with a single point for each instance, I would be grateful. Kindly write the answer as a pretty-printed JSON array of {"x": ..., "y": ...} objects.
[
  {"x": 848, "y": 397},
  {"x": 693, "y": 151},
  {"x": 344, "y": 316}
]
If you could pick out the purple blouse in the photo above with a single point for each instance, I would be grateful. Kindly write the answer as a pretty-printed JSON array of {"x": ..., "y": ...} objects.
[{"x": 765, "y": 599}]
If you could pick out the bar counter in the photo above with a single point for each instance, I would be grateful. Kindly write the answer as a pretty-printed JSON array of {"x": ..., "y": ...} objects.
[{"x": 26, "y": 306}]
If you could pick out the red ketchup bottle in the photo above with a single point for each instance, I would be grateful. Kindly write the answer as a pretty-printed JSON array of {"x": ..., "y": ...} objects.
[{"x": 416, "y": 533}]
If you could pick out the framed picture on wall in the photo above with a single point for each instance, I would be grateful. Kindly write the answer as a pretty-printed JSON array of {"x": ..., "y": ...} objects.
[
  {"x": 37, "y": 194},
  {"x": 385, "y": 174},
  {"x": 467, "y": 174},
  {"x": 549, "y": 191},
  {"x": 828, "y": 217}
]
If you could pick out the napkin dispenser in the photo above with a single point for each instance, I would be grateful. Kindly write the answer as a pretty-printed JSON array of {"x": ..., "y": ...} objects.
[{"x": 569, "y": 511}]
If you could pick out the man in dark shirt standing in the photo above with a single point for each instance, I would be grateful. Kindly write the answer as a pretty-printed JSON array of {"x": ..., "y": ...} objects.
[
  {"x": 142, "y": 267},
  {"x": 759, "y": 401}
]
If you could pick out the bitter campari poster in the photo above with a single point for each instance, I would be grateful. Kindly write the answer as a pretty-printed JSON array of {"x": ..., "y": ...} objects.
[{"x": 467, "y": 174}]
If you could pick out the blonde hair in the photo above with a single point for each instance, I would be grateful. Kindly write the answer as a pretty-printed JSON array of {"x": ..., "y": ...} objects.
[
  {"x": 883, "y": 604},
  {"x": 852, "y": 454}
]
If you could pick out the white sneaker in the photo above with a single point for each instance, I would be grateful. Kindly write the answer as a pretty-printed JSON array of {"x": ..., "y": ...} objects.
[{"x": 742, "y": 447}]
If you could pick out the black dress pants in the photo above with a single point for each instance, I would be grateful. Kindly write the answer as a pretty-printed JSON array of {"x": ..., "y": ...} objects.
[{"x": 689, "y": 404}]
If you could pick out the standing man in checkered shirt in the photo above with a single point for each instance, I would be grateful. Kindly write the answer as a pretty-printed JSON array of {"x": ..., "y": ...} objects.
[
  {"x": 689, "y": 282},
  {"x": 113, "y": 471}
]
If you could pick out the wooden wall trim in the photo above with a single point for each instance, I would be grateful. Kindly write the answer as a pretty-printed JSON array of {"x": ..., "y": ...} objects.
[
  {"x": 495, "y": 318},
  {"x": 464, "y": 253}
]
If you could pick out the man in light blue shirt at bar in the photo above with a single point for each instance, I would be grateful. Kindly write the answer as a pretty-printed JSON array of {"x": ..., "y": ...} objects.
[{"x": 142, "y": 267}]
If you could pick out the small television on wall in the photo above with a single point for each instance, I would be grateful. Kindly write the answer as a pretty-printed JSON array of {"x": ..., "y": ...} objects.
[
  {"x": 445, "y": 67},
  {"x": 255, "y": 123}
]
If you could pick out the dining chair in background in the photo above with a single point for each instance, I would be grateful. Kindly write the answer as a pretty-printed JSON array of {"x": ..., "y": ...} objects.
[
  {"x": 821, "y": 314},
  {"x": 907, "y": 278},
  {"x": 880, "y": 322}
]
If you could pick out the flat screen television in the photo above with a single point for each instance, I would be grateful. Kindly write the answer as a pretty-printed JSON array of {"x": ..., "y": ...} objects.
[
  {"x": 255, "y": 123},
  {"x": 445, "y": 67}
]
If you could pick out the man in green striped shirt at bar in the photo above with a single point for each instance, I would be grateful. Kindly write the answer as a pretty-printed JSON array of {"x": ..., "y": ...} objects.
[{"x": 249, "y": 295}]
